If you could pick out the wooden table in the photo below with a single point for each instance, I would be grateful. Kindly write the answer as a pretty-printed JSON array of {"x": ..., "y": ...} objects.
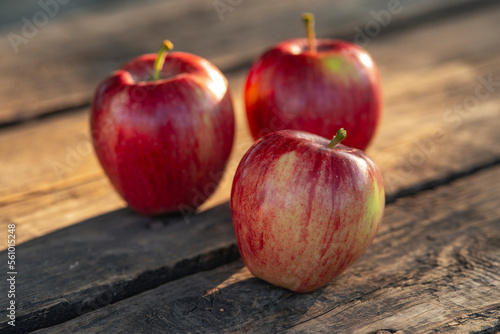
[{"x": 86, "y": 263}]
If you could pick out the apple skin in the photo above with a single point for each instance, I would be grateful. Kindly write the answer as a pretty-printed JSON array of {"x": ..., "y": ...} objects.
[
  {"x": 164, "y": 144},
  {"x": 290, "y": 87},
  {"x": 303, "y": 212}
]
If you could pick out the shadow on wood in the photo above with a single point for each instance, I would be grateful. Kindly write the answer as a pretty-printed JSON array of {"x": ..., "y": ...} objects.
[
  {"x": 111, "y": 257},
  {"x": 433, "y": 266}
]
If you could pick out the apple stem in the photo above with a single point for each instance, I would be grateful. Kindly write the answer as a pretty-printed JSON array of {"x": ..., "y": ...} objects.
[
  {"x": 160, "y": 58},
  {"x": 341, "y": 134},
  {"x": 308, "y": 19}
]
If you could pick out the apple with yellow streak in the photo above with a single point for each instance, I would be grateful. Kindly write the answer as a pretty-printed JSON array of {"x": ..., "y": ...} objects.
[
  {"x": 304, "y": 209},
  {"x": 315, "y": 85}
]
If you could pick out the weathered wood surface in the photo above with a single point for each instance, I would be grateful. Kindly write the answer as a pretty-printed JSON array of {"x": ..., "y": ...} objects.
[
  {"x": 110, "y": 257},
  {"x": 432, "y": 267},
  {"x": 425, "y": 72},
  {"x": 40, "y": 196},
  {"x": 63, "y": 58},
  {"x": 420, "y": 141}
]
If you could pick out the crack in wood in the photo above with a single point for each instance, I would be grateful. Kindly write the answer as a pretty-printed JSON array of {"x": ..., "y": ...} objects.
[
  {"x": 108, "y": 292},
  {"x": 466, "y": 258},
  {"x": 433, "y": 184},
  {"x": 44, "y": 115},
  {"x": 64, "y": 311},
  {"x": 491, "y": 313}
]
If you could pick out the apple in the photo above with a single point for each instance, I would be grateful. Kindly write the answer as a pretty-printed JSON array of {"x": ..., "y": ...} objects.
[
  {"x": 163, "y": 129},
  {"x": 304, "y": 209},
  {"x": 314, "y": 85}
]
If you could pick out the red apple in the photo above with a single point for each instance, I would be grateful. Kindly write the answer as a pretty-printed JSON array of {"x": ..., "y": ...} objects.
[
  {"x": 304, "y": 209},
  {"x": 163, "y": 132},
  {"x": 314, "y": 86}
]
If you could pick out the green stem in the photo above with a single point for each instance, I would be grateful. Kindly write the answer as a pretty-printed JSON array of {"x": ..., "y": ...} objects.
[
  {"x": 341, "y": 134},
  {"x": 160, "y": 58},
  {"x": 308, "y": 19}
]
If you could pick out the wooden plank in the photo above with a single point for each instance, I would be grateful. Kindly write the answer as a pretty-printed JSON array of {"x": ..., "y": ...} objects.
[
  {"x": 111, "y": 257},
  {"x": 432, "y": 267},
  {"x": 406, "y": 148},
  {"x": 442, "y": 104},
  {"x": 12, "y": 12},
  {"x": 37, "y": 204},
  {"x": 40, "y": 201},
  {"x": 56, "y": 76},
  {"x": 63, "y": 240}
]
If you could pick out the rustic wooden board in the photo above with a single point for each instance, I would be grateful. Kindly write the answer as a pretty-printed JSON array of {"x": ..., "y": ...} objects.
[
  {"x": 110, "y": 257},
  {"x": 40, "y": 201},
  {"x": 32, "y": 196},
  {"x": 421, "y": 84},
  {"x": 432, "y": 267},
  {"x": 441, "y": 106},
  {"x": 64, "y": 58}
]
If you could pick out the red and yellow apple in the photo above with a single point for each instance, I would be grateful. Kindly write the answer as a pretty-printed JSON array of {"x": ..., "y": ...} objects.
[
  {"x": 304, "y": 209},
  {"x": 314, "y": 85},
  {"x": 163, "y": 129}
]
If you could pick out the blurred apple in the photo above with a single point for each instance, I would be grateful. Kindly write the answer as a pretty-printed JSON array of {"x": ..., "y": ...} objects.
[{"x": 314, "y": 86}]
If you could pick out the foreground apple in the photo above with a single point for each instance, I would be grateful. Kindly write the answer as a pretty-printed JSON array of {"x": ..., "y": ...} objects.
[
  {"x": 314, "y": 86},
  {"x": 163, "y": 129},
  {"x": 304, "y": 209}
]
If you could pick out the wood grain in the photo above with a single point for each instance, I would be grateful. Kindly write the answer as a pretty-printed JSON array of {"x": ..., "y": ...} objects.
[
  {"x": 425, "y": 73},
  {"x": 39, "y": 200},
  {"x": 432, "y": 267},
  {"x": 62, "y": 61},
  {"x": 110, "y": 257},
  {"x": 418, "y": 145}
]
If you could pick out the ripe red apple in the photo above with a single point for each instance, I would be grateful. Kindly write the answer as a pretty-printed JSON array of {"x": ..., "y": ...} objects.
[
  {"x": 163, "y": 129},
  {"x": 304, "y": 209},
  {"x": 314, "y": 86}
]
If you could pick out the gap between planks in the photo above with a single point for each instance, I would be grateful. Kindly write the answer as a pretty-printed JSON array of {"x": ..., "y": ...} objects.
[
  {"x": 102, "y": 266},
  {"x": 431, "y": 267},
  {"x": 85, "y": 191},
  {"x": 478, "y": 126},
  {"x": 33, "y": 192},
  {"x": 36, "y": 100}
]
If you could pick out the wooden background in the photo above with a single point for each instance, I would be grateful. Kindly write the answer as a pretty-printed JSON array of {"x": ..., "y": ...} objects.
[{"x": 89, "y": 264}]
